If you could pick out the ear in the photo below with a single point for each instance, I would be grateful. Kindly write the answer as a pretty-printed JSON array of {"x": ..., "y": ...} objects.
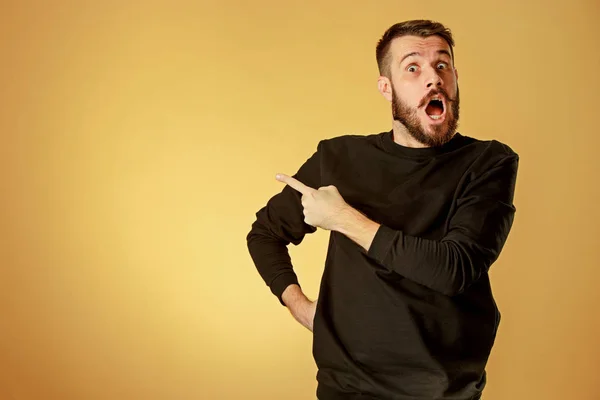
[
  {"x": 385, "y": 87},
  {"x": 456, "y": 73}
]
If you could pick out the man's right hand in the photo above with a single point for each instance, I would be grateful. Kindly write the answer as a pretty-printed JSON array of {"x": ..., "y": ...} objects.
[{"x": 302, "y": 309}]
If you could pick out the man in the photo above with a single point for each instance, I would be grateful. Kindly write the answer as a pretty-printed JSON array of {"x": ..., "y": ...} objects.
[{"x": 417, "y": 216}]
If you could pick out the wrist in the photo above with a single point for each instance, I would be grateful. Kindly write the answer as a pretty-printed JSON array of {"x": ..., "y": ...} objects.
[
  {"x": 341, "y": 218},
  {"x": 348, "y": 218},
  {"x": 357, "y": 226}
]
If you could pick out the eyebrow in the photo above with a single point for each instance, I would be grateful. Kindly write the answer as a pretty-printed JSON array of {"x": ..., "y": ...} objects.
[{"x": 415, "y": 53}]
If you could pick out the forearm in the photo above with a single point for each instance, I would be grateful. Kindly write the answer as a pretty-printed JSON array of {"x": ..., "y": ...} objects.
[
  {"x": 272, "y": 260},
  {"x": 357, "y": 227},
  {"x": 293, "y": 295},
  {"x": 447, "y": 266},
  {"x": 301, "y": 308}
]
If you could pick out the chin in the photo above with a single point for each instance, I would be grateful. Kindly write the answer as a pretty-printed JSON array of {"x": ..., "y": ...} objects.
[{"x": 436, "y": 130}]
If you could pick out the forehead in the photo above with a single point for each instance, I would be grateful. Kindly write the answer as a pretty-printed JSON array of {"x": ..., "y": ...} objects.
[{"x": 426, "y": 47}]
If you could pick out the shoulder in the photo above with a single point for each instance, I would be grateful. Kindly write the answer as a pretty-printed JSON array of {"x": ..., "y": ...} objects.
[
  {"x": 491, "y": 159},
  {"x": 491, "y": 151},
  {"x": 349, "y": 142}
]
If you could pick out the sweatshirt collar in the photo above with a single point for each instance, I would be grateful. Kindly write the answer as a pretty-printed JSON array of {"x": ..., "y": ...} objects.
[{"x": 419, "y": 152}]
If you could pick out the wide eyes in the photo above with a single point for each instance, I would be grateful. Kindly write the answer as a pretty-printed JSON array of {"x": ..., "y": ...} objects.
[{"x": 414, "y": 68}]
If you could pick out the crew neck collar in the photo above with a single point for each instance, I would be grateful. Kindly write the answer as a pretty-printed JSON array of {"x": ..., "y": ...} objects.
[{"x": 418, "y": 152}]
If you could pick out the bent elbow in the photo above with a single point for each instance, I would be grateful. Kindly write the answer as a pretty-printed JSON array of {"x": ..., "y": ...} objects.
[{"x": 466, "y": 266}]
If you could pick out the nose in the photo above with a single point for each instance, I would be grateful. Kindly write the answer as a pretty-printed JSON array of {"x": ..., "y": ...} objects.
[{"x": 433, "y": 79}]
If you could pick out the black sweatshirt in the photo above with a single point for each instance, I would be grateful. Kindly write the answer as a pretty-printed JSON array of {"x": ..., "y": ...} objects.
[{"x": 412, "y": 318}]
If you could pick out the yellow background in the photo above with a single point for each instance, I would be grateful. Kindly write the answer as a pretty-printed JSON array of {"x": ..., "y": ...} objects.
[{"x": 138, "y": 139}]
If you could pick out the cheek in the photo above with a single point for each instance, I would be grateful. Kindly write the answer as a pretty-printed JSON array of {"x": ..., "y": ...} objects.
[
  {"x": 408, "y": 94},
  {"x": 452, "y": 83}
]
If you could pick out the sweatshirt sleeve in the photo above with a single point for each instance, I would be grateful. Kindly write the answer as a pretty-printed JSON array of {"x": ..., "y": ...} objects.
[
  {"x": 478, "y": 228},
  {"x": 279, "y": 223}
]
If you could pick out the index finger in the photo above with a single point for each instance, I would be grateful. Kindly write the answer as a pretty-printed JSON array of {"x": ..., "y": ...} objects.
[{"x": 294, "y": 183}]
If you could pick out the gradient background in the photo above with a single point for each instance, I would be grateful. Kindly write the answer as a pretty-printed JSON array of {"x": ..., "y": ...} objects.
[{"x": 139, "y": 139}]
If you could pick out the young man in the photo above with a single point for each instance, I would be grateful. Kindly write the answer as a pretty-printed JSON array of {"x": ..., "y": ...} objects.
[{"x": 417, "y": 216}]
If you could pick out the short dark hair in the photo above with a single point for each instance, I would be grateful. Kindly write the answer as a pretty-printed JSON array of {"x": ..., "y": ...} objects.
[{"x": 417, "y": 27}]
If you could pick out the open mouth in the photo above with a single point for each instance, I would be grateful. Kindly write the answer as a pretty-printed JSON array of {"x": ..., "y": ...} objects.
[{"x": 435, "y": 108}]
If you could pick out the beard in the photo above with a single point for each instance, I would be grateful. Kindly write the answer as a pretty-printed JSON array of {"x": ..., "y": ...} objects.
[{"x": 440, "y": 134}]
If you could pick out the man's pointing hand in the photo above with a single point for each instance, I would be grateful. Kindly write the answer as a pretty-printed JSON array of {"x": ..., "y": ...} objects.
[{"x": 323, "y": 207}]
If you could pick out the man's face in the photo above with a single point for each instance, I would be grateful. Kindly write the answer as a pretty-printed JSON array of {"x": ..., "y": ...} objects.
[{"x": 421, "y": 73}]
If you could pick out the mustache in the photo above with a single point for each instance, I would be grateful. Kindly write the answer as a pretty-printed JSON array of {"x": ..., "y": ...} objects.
[{"x": 425, "y": 100}]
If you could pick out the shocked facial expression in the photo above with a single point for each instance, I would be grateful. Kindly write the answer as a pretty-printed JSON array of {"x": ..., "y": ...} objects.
[{"x": 424, "y": 88}]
